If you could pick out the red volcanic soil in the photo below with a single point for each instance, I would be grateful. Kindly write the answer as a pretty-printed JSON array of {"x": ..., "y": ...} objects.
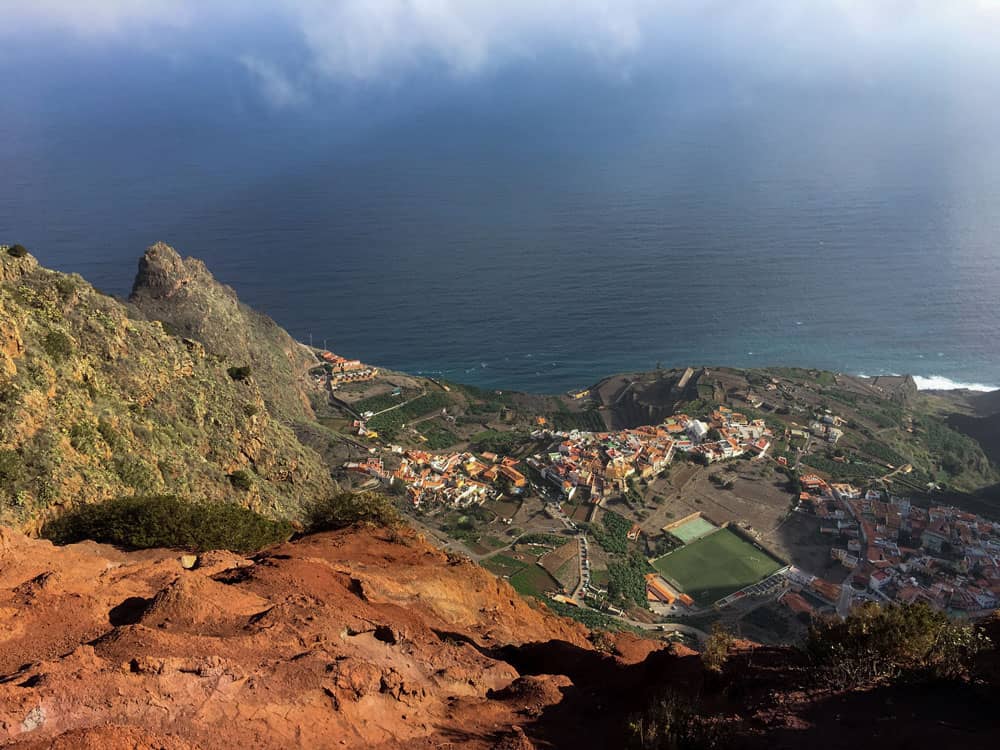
[{"x": 374, "y": 639}]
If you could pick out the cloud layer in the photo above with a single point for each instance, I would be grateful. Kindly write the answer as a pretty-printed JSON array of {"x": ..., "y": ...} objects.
[{"x": 362, "y": 40}]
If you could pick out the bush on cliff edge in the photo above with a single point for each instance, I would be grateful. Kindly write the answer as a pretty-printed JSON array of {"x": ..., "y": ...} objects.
[
  {"x": 909, "y": 642},
  {"x": 348, "y": 508},
  {"x": 140, "y": 522}
]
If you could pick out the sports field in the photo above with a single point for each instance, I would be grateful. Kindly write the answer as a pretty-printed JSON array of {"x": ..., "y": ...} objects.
[
  {"x": 715, "y": 566},
  {"x": 696, "y": 528}
]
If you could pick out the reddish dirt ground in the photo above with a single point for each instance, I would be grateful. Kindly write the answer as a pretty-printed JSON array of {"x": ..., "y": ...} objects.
[{"x": 374, "y": 639}]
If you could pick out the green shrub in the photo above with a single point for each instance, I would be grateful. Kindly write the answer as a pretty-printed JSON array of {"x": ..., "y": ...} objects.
[
  {"x": 135, "y": 473},
  {"x": 876, "y": 644},
  {"x": 627, "y": 581},
  {"x": 589, "y": 617},
  {"x": 348, "y": 508},
  {"x": 239, "y": 373},
  {"x": 83, "y": 437},
  {"x": 388, "y": 424},
  {"x": 438, "y": 437},
  {"x": 57, "y": 345},
  {"x": 614, "y": 536},
  {"x": 241, "y": 480},
  {"x": 11, "y": 465},
  {"x": 65, "y": 286},
  {"x": 17, "y": 251},
  {"x": 496, "y": 441},
  {"x": 163, "y": 521},
  {"x": 717, "y": 648},
  {"x": 671, "y": 722}
]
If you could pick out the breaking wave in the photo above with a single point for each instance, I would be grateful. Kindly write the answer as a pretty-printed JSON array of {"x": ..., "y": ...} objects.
[{"x": 941, "y": 383}]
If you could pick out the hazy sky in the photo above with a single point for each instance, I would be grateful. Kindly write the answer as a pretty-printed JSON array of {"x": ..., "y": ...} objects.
[{"x": 359, "y": 42}]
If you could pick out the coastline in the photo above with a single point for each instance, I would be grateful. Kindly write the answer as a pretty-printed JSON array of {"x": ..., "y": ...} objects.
[
  {"x": 930, "y": 382},
  {"x": 941, "y": 383}
]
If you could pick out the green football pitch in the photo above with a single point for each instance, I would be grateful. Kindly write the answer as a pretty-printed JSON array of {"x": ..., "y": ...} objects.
[{"x": 715, "y": 566}]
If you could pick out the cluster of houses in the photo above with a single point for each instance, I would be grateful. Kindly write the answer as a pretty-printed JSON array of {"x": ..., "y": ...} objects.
[
  {"x": 827, "y": 427},
  {"x": 598, "y": 465},
  {"x": 453, "y": 479},
  {"x": 343, "y": 370},
  {"x": 808, "y": 595},
  {"x": 899, "y": 552},
  {"x": 728, "y": 434}
]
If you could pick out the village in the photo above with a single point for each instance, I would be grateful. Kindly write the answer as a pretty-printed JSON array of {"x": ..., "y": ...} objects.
[
  {"x": 714, "y": 501},
  {"x": 582, "y": 466},
  {"x": 899, "y": 552},
  {"x": 456, "y": 480},
  {"x": 599, "y": 465}
]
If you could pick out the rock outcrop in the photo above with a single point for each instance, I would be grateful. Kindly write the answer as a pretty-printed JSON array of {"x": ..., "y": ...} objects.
[
  {"x": 337, "y": 640},
  {"x": 184, "y": 295},
  {"x": 373, "y": 639}
]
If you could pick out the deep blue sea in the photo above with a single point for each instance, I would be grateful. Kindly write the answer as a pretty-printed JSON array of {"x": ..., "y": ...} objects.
[{"x": 526, "y": 229}]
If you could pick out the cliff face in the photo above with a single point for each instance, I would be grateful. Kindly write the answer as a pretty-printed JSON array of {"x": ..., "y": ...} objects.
[
  {"x": 95, "y": 403},
  {"x": 184, "y": 295}
]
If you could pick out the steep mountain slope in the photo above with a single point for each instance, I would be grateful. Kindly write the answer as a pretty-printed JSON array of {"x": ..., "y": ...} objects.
[
  {"x": 184, "y": 295},
  {"x": 95, "y": 403}
]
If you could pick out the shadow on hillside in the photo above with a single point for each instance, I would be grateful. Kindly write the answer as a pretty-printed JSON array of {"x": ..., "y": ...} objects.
[
  {"x": 762, "y": 695},
  {"x": 603, "y": 693},
  {"x": 930, "y": 717}
]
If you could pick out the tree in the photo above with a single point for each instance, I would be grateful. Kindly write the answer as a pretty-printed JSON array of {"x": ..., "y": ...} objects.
[
  {"x": 717, "y": 648},
  {"x": 17, "y": 251},
  {"x": 241, "y": 480}
]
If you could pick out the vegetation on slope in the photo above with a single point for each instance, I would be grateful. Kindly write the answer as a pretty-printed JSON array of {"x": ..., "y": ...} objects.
[
  {"x": 96, "y": 405},
  {"x": 140, "y": 522},
  {"x": 348, "y": 508},
  {"x": 898, "y": 642}
]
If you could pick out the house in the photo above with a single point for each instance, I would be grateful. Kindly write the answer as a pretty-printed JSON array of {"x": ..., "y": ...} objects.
[
  {"x": 812, "y": 483},
  {"x": 879, "y": 579},
  {"x": 934, "y": 537},
  {"x": 845, "y": 492},
  {"x": 697, "y": 430},
  {"x": 657, "y": 589},
  {"x": 826, "y": 590},
  {"x": 796, "y": 603}
]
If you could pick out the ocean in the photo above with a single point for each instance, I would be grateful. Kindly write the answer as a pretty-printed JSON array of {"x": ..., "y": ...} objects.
[{"x": 528, "y": 230}]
